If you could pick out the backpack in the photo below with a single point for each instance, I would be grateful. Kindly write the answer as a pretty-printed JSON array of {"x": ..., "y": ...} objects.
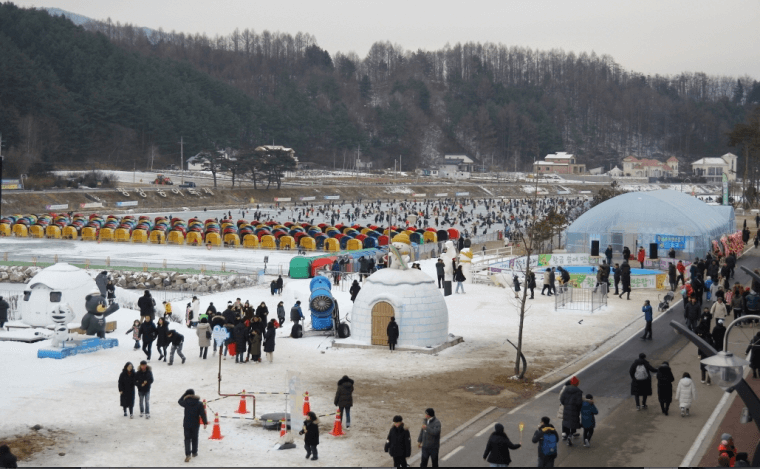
[
  {"x": 641, "y": 373},
  {"x": 549, "y": 445}
]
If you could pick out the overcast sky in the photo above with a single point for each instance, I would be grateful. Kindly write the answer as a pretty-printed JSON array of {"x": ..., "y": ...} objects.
[{"x": 648, "y": 36}]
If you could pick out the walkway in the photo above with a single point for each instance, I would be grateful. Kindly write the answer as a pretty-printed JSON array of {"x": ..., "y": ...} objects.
[{"x": 623, "y": 436}]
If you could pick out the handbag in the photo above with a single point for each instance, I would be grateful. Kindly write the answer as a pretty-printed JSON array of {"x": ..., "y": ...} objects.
[{"x": 208, "y": 334}]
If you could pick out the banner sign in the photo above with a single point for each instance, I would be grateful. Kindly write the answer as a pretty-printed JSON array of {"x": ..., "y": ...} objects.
[
  {"x": 462, "y": 194},
  {"x": 308, "y": 198},
  {"x": 11, "y": 184},
  {"x": 442, "y": 195},
  {"x": 725, "y": 189},
  {"x": 419, "y": 195},
  {"x": 670, "y": 241},
  {"x": 332, "y": 197},
  {"x": 57, "y": 207},
  {"x": 282, "y": 199},
  {"x": 91, "y": 205},
  {"x": 128, "y": 203}
]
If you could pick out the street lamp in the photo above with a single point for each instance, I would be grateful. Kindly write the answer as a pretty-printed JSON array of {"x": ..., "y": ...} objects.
[{"x": 725, "y": 369}]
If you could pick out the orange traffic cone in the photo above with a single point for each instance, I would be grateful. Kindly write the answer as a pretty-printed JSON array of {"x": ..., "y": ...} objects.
[
  {"x": 241, "y": 407},
  {"x": 216, "y": 434},
  {"x": 283, "y": 428},
  {"x": 306, "y": 406},
  {"x": 338, "y": 427},
  {"x": 200, "y": 419}
]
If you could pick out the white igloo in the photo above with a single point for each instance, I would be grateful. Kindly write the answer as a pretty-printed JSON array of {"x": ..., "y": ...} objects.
[{"x": 411, "y": 296}]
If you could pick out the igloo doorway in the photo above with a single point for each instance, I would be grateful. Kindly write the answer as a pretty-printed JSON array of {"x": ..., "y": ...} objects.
[{"x": 382, "y": 312}]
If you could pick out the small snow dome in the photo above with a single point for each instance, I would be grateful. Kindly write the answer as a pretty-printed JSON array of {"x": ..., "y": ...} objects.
[
  {"x": 55, "y": 294},
  {"x": 411, "y": 296}
]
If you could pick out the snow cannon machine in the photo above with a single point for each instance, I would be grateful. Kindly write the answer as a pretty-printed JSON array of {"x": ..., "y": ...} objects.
[{"x": 325, "y": 314}]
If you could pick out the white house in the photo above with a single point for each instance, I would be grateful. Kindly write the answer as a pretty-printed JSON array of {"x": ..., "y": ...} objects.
[
  {"x": 559, "y": 163},
  {"x": 615, "y": 172},
  {"x": 363, "y": 164},
  {"x": 456, "y": 166},
  {"x": 712, "y": 169}
]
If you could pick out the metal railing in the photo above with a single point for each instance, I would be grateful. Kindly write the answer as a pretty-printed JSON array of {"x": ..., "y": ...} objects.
[{"x": 580, "y": 298}]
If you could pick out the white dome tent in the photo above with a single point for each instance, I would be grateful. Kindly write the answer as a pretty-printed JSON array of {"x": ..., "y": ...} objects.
[
  {"x": 636, "y": 218},
  {"x": 410, "y": 296}
]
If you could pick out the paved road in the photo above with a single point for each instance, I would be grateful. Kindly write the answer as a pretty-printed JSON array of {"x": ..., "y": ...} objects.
[{"x": 623, "y": 437}]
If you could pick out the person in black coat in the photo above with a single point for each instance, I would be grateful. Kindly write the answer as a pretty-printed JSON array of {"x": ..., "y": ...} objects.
[
  {"x": 625, "y": 277},
  {"x": 392, "y": 331},
  {"x": 194, "y": 414},
  {"x": 665, "y": 386},
  {"x": 616, "y": 277},
  {"x": 531, "y": 283},
  {"x": 269, "y": 337},
  {"x": 754, "y": 359},
  {"x": 571, "y": 400},
  {"x": 7, "y": 459},
  {"x": 4, "y": 307},
  {"x": 262, "y": 311},
  {"x": 354, "y": 290},
  {"x": 344, "y": 399},
  {"x": 399, "y": 442},
  {"x": 147, "y": 333},
  {"x": 147, "y": 305},
  {"x": 240, "y": 333},
  {"x": 127, "y": 389},
  {"x": 498, "y": 446},
  {"x": 310, "y": 431},
  {"x": 162, "y": 342},
  {"x": 279, "y": 285},
  {"x": 641, "y": 386}
]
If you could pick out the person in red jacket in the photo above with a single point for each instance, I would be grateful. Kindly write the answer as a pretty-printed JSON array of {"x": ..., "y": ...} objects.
[
  {"x": 727, "y": 447},
  {"x": 640, "y": 256},
  {"x": 681, "y": 270}
]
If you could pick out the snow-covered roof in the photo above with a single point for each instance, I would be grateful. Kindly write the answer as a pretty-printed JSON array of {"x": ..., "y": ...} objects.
[
  {"x": 560, "y": 155},
  {"x": 464, "y": 158},
  {"x": 711, "y": 161},
  {"x": 63, "y": 276}
]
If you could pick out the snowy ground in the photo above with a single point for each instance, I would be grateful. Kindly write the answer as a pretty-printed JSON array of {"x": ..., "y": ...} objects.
[{"x": 79, "y": 394}]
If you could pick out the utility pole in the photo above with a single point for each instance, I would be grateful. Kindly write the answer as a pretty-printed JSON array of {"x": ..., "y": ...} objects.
[{"x": 182, "y": 158}]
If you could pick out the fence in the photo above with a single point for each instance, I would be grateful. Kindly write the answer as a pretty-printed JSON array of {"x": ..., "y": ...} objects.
[
  {"x": 580, "y": 299},
  {"x": 137, "y": 265},
  {"x": 13, "y": 297}
]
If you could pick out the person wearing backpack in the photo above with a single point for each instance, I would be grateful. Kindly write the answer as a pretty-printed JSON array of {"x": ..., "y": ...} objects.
[
  {"x": 547, "y": 438},
  {"x": 641, "y": 380},
  {"x": 497, "y": 448},
  {"x": 588, "y": 421}
]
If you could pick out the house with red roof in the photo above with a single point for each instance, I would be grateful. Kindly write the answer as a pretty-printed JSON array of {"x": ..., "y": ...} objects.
[{"x": 650, "y": 168}]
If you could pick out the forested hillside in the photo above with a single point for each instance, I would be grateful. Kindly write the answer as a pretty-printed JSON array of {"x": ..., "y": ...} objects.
[{"x": 109, "y": 94}]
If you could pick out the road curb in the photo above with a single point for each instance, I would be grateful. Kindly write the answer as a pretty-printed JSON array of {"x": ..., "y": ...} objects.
[{"x": 456, "y": 431}]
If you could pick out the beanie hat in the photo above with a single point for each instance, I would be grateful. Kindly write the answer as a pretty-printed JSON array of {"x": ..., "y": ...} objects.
[
  {"x": 143, "y": 362},
  {"x": 642, "y": 355},
  {"x": 589, "y": 397},
  {"x": 398, "y": 419},
  {"x": 498, "y": 428},
  {"x": 574, "y": 381},
  {"x": 726, "y": 436},
  {"x": 189, "y": 392},
  {"x": 430, "y": 412}
]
